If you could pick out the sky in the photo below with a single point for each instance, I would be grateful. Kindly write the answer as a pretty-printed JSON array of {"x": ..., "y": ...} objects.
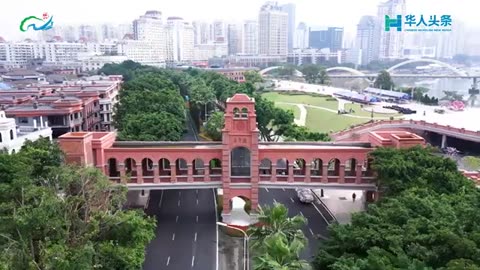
[{"x": 340, "y": 13}]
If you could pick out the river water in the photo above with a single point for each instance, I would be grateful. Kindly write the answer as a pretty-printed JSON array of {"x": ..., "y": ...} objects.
[{"x": 437, "y": 86}]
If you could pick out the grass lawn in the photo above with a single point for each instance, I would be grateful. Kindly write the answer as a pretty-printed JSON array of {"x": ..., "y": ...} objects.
[
  {"x": 293, "y": 108},
  {"x": 321, "y": 102},
  {"x": 323, "y": 121}
]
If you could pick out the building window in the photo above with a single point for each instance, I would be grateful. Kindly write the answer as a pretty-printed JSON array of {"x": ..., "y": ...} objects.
[
  {"x": 23, "y": 120},
  {"x": 240, "y": 162},
  {"x": 11, "y": 134},
  {"x": 0, "y": 137}
]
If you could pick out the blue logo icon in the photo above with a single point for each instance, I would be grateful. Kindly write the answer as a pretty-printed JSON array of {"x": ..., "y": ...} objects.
[
  {"x": 434, "y": 23},
  {"x": 30, "y": 23}
]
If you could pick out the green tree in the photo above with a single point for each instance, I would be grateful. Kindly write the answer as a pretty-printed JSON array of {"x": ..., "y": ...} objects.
[
  {"x": 272, "y": 121},
  {"x": 277, "y": 253},
  {"x": 214, "y": 126},
  {"x": 323, "y": 77},
  {"x": 384, "y": 81},
  {"x": 201, "y": 95},
  {"x": 162, "y": 126},
  {"x": 68, "y": 218},
  {"x": 253, "y": 76},
  {"x": 311, "y": 72},
  {"x": 301, "y": 133},
  {"x": 275, "y": 220},
  {"x": 44, "y": 154}
]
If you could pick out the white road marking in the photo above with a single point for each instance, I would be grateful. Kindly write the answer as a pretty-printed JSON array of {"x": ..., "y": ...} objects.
[
  {"x": 267, "y": 189},
  {"x": 176, "y": 219},
  {"x": 292, "y": 200},
  {"x": 302, "y": 214},
  {"x": 178, "y": 202},
  {"x": 161, "y": 199},
  {"x": 311, "y": 231},
  {"x": 173, "y": 237},
  {"x": 197, "y": 201},
  {"x": 193, "y": 260},
  {"x": 195, "y": 237},
  {"x": 168, "y": 260},
  {"x": 197, "y": 219},
  {"x": 283, "y": 189},
  {"x": 274, "y": 201}
]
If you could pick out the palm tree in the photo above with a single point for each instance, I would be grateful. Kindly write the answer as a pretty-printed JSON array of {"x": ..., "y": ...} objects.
[
  {"x": 275, "y": 220},
  {"x": 280, "y": 254}
]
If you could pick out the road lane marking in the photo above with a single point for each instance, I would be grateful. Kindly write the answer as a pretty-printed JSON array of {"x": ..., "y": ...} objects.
[
  {"x": 168, "y": 260},
  {"x": 197, "y": 219},
  {"x": 176, "y": 219},
  {"x": 283, "y": 189},
  {"x": 195, "y": 237},
  {"x": 179, "y": 203},
  {"x": 292, "y": 199},
  {"x": 161, "y": 199},
  {"x": 197, "y": 201},
  {"x": 193, "y": 260},
  {"x": 274, "y": 201},
  {"x": 302, "y": 214},
  {"x": 267, "y": 189},
  {"x": 311, "y": 231},
  {"x": 179, "y": 193},
  {"x": 173, "y": 237},
  {"x": 196, "y": 191},
  {"x": 216, "y": 228}
]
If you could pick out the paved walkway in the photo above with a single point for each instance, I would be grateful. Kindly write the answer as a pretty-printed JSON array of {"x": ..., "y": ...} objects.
[
  {"x": 340, "y": 203},
  {"x": 303, "y": 115}
]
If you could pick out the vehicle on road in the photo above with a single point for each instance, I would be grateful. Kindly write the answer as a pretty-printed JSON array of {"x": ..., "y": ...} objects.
[{"x": 305, "y": 195}]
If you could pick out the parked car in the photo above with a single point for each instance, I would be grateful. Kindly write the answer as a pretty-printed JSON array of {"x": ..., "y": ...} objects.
[
  {"x": 440, "y": 111},
  {"x": 305, "y": 195}
]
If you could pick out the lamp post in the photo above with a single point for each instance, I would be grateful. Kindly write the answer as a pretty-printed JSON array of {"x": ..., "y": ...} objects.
[{"x": 246, "y": 264}]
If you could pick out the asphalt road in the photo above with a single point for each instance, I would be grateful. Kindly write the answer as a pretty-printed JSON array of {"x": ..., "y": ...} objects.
[
  {"x": 186, "y": 236},
  {"x": 316, "y": 227},
  {"x": 191, "y": 134}
]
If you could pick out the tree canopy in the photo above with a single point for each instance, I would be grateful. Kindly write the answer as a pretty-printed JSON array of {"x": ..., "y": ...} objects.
[
  {"x": 427, "y": 218},
  {"x": 61, "y": 217},
  {"x": 384, "y": 81}
]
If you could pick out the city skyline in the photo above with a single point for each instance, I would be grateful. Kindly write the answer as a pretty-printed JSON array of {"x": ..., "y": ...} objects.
[{"x": 115, "y": 12}]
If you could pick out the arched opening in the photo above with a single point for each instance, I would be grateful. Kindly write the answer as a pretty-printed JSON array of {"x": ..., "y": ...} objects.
[
  {"x": 147, "y": 167},
  {"x": 299, "y": 166},
  {"x": 112, "y": 168},
  {"x": 351, "y": 167},
  {"x": 334, "y": 167},
  {"x": 367, "y": 168},
  {"x": 240, "y": 161},
  {"x": 164, "y": 167},
  {"x": 240, "y": 210},
  {"x": 0, "y": 137},
  {"x": 282, "y": 166},
  {"x": 317, "y": 167},
  {"x": 265, "y": 167},
  {"x": 236, "y": 113},
  {"x": 198, "y": 167},
  {"x": 130, "y": 167},
  {"x": 11, "y": 134},
  {"x": 181, "y": 166},
  {"x": 244, "y": 113},
  {"x": 215, "y": 167}
]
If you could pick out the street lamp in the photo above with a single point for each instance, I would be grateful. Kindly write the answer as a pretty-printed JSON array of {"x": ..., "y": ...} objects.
[{"x": 245, "y": 244}]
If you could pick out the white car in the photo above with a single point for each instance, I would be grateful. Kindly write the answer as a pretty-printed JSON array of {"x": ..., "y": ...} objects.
[{"x": 305, "y": 195}]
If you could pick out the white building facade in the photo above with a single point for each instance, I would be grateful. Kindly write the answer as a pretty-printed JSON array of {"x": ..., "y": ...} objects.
[
  {"x": 273, "y": 33},
  {"x": 391, "y": 42}
]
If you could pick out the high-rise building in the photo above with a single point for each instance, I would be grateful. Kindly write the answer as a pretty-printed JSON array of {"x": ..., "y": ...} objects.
[
  {"x": 149, "y": 26},
  {"x": 367, "y": 39},
  {"x": 234, "y": 39},
  {"x": 273, "y": 33},
  {"x": 202, "y": 33},
  {"x": 301, "y": 36},
  {"x": 452, "y": 43},
  {"x": 290, "y": 10},
  {"x": 321, "y": 38},
  {"x": 180, "y": 40},
  {"x": 250, "y": 38},
  {"x": 219, "y": 31},
  {"x": 391, "y": 42},
  {"x": 88, "y": 33}
]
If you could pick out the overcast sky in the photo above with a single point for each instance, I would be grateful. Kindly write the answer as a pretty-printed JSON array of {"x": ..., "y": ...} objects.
[{"x": 344, "y": 13}]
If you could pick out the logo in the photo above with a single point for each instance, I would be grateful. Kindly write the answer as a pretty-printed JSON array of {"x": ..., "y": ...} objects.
[
  {"x": 37, "y": 24},
  {"x": 434, "y": 23}
]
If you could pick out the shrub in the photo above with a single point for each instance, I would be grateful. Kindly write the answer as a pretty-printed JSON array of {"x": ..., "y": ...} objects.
[
  {"x": 219, "y": 206},
  {"x": 248, "y": 206}
]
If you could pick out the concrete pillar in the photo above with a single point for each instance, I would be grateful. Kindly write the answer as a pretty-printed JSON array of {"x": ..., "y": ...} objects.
[
  {"x": 371, "y": 196},
  {"x": 358, "y": 174},
  {"x": 444, "y": 141},
  {"x": 34, "y": 123},
  {"x": 325, "y": 173},
  {"x": 156, "y": 174},
  {"x": 190, "y": 173},
  {"x": 121, "y": 169},
  {"x": 290, "y": 172},
  {"x": 308, "y": 168},
  {"x": 321, "y": 193},
  {"x": 341, "y": 174},
  {"x": 173, "y": 172},
  {"x": 41, "y": 122},
  {"x": 274, "y": 173},
  {"x": 139, "y": 173},
  {"x": 207, "y": 174}
]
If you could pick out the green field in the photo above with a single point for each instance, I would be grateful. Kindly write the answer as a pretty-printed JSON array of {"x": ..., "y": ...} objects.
[{"x": 322, "y": 120}]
